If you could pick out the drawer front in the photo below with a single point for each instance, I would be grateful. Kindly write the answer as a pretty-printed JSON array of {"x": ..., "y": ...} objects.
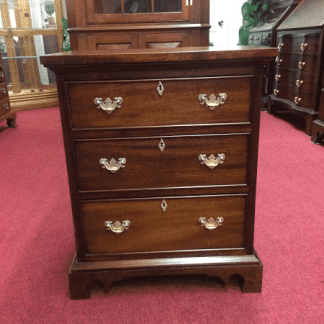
[
  {"x": 295, "y": 43},
  {"x": 266, "y": 39},
  {"x": 4, "y": 106},
  {"x": 152, "y": 229},
  {"x": 142, "y": 105},
  {"x": 305, "y": 64},
  {"x": 147, "y": 167},
  {"x": 112, "y": 41},
  {"x": 166, "y": 40},
  {"x": 305, "y": 99},
  {"x": 295, "y": 79},
  {"x": 257, "y": 38}
]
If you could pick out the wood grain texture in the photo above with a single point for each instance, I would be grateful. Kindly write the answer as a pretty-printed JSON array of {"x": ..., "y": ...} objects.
[
  {"x": 178, "y": 104},
  {"x": 147, "y": 167},
  {"x": 95, "y": 26},
  {"x": 152, "y": 229},
  {"x": 302, "y": 59},
  {"x": 292, "y": 42},
  {"x": 246, "y": 270},
  {"x": 188, "y": 54},
  {"x": 157, "y": 242}
]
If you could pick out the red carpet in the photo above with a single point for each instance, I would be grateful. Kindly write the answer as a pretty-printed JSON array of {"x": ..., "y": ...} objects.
[{"x": 37, "y": 243}]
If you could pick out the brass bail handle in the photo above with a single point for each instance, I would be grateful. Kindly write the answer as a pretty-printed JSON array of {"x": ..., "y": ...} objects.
[
  {"x": 212, "y": 101},
  {"x": 113, "y": 166},
  {"x": 211, "y": 162},
  {"x": 108, "y": 105},
  {"x": 211, "y": 223},
  {"x": 117, "y": 227}
]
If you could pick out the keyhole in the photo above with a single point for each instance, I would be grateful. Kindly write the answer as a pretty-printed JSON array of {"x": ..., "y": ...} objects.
[
  {"x": 164, "y": 205},
  {"x": 160, "y": 88}
]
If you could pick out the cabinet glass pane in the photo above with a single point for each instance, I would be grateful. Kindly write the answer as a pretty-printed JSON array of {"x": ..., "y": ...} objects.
[
  {"x": 137, "y": 6},
  {"x": 167, "y": 6},
  {"x": 108, "y": 6},
  {"x": 119, "y": 6}
]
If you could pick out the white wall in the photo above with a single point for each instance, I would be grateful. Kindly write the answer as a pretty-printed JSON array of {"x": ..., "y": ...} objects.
[{"x": 228, "y": 11}]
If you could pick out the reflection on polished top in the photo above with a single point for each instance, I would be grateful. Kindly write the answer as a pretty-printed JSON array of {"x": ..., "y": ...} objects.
[{"x": 154, "y": 55}]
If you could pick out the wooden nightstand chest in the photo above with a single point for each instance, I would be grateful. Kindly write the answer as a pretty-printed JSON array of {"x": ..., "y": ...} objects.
[{"x": 161, "y": 149}]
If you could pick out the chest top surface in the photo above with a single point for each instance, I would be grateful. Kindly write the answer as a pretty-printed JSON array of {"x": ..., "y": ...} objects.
[{"x": 177, "y": 55}]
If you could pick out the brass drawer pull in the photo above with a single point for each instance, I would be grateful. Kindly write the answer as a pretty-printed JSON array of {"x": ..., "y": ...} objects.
[
  {"x": 117, "y": 227},
  {"x": 303, "y": 46},
  {"x": 297, "y": 100},
  {"x": 3, "y": 90},
  {"x": 6, "y": 106},
  {"x": 211, "y": 162},
  {"x": 108, "y": 105},
  {"x": 280, "y": 46},
  {"x": 299, "y": 83},
  {"x": 278, "y": 60},
  {"x": 211, "y": 223},
  {"x": 275, "y": 91},
  {"x": 277, "y": 77},
  {"x": 212, "y": 102},
  {"x": 301, "y": 65},
  {"x": 113, "y": 166}
]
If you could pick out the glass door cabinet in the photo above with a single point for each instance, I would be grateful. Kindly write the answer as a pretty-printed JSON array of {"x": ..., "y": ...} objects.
[
  {"x": 122, "y": 24},
  {"x": 121, "y": 11}
]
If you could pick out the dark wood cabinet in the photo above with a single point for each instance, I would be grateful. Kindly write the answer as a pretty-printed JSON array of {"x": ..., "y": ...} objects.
[
  {"x": 161, "y": 149},
  {"x": 5, "y": 109},
  {"x": 318, "y": 124},
  {"x": 120, "y": 24},
  {"x": 265, "y": 34},
  {"x": 299, "y": 66}
]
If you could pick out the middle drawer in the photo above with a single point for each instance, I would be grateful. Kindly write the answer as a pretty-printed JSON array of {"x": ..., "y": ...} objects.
[{"x": 161, "y": 162}]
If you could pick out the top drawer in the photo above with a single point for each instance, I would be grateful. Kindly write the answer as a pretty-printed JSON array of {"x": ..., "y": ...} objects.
[
  {"x": 299, "y": 43},
  {"x": 177, "y": 104}
]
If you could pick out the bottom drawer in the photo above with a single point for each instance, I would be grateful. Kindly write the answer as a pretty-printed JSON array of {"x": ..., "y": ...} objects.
[{"x": 163, "y": 224}]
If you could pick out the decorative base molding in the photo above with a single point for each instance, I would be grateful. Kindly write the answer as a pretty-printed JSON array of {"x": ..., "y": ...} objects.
[
  {"x": 27, "y": 100},
  {"x": 308, "y": 114},
  {"x": 246, "y": 269},
  {"x": 11, "y": 120},
  {"x": 317, "y": 131}
]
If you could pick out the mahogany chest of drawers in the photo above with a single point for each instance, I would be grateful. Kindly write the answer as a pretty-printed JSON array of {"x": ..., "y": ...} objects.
[
  {"x": 5, "y": 109},
  {"x": 161, "y": 149},
  {"x": 299, "y": 66}
]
